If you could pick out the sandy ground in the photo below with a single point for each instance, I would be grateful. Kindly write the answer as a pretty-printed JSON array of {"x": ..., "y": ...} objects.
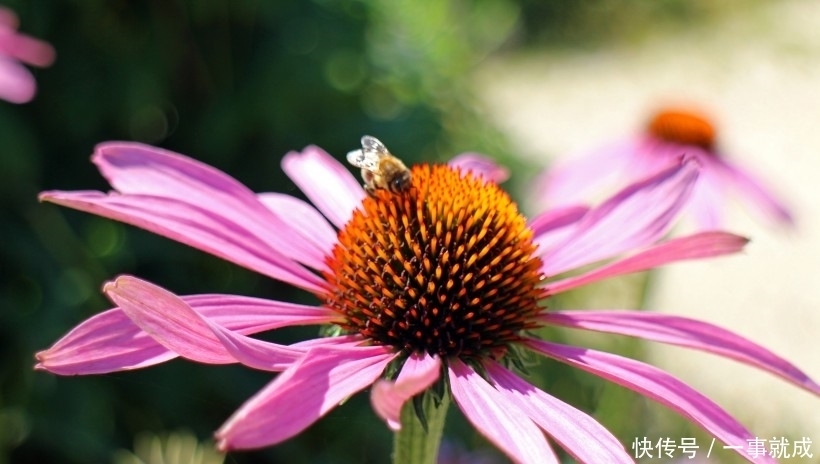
[{"x": 758, "y": 73}]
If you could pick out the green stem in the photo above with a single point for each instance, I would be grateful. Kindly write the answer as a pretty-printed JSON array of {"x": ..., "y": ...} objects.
[{"x": 413, "y": 444}]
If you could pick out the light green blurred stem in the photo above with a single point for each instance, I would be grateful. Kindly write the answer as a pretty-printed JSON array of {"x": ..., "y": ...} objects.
[{"x": 412, "y": 444}]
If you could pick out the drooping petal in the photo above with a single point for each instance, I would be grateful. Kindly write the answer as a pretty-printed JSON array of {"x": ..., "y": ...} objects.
[
  {"x": 659, "y": 386},
  {"x": 328, "y": 184},
  {"x": 635, "y": 217},
  {"x": 388, "y": 397},
  {"x": 755, "y": 195},
  {"x": 686, "y": 332},
  {"x": 106, "y": 342},
  {"x": 576, "y": 432},
  {"x": 578, "y": 178},
  {"x": 497, "y": 418},
  {"x": 302, "y": 394},
  {"x": 192, "y": 225},
  {"x": 557, "y": 218},
  {"x": 110, "y": 341},
  {"x": 553, "y": 226},
  {"x": 696, "y": 246},
  {"x": 480, "y": 165},
  {"x": 138, "y": 169},
  {"x": 172, "y": 323},
  {"x": 707, "y": 205},
  {"x": 307, "y": 223}
]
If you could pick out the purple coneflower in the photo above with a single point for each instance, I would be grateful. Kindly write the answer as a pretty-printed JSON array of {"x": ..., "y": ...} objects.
[
  {"x": 670, "y": 133},
  {"x": 16, "y": 82},
  {"x": 432, "y": 289}
]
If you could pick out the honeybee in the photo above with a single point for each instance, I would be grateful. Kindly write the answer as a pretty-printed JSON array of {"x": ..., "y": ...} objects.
[{"x": 380, "y": 169}]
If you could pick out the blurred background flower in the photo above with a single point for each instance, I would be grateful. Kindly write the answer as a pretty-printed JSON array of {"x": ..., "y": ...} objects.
[
  {"x": 16, "y": 82},
  {"x": 240, "y": 83},
  {"x": 669, "y": 134}
]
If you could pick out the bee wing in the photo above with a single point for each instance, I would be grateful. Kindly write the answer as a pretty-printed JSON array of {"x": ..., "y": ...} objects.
[
  {"x": 368, "y": 157},
  {"x": 372, "y": 144}
]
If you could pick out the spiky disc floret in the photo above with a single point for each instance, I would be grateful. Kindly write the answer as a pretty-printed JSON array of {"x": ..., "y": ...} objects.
[{"x": 445, "y": 267}]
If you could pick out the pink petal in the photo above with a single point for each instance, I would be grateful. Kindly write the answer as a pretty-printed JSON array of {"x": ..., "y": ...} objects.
[
  {"x": 172, "y": 323},
  {"x": 26, "y": 49},
  {"x": 578, "y": 433},
  {"x": 107, "y": 342},
  {"x": 636, "y": 217},
  {"x": 557, "y": 218},
  {"x": 388, "y": 397},
  {"x": 707, "y": 204},
  {"x": 578, "y": 178},
  {"x": 683, "y": 332},
  {"x": 481, "y": 166},
  {"x": 110, "y": 341},
  {"x": 305, "y": 222},
  {"x": 499, "y": 419},
  {"x": 755, "y": 195},
  {"x": 702, "y": 245},
  {"x": 553, "y": 226},
  {"x": 137, "y": 169},
  {"x": 302, "y": 394},
  {"x": 651, "y": 155},
  {"x": 194, "y": 226},
  {"x": 16, "y": 82},
  {"x": 657, "y": 385},
  {"x": 344, "y": 341},
  {"x": 8, "y": 19},
  {"x": 328, "y": 184}
]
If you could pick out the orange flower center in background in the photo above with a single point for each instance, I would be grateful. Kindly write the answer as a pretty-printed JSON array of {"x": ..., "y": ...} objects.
[
  {"x": 683, "y": 127},
  {"x": 445, "y": 267}
]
